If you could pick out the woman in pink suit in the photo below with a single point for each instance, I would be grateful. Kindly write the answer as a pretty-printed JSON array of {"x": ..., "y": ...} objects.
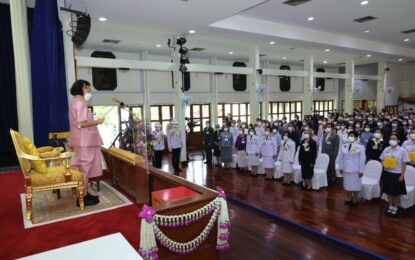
[{"x": 85, "y": 138}]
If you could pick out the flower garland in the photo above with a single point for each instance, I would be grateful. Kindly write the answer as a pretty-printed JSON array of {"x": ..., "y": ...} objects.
[{"x": 150, "y": 231}]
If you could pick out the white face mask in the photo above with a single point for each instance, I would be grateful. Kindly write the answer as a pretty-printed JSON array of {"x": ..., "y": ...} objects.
[
  {"x": 274, "y": 131},
  {"x": 405, "y": 123},
  {"x": 251, "y": 133},
  {"x": 412, "y": 136},
  {"x": 328, "y": 130},
  {"x": 306, "y": 128},
  {"x": 351, "y": 139},
  {"x": 87, "y": 96},
  {"x": 285, "y": 137},
  {"x": 379, "y": 124},
  {"x": 306, "y": 136},
  {"x": 367, "y": 129},
  {"x": 245, "y": 131},
  {"x": 226, "y": 129},
  {"x": 393, "y": 142},
  {"x": 377, "y": 135},
  {"x": 337, "y": 127},
  {"x": 357, "y": 126},
  {"x": 290, "y": 128},
  {"x": 241, "y": 132},
  {"x": 342, "y": 127},
  {"x": 394, "y": 125},
  {"x": 267, "y": 133}
]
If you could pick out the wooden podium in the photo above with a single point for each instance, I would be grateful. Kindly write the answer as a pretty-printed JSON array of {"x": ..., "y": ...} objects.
[{"x": 129, "y": 173}]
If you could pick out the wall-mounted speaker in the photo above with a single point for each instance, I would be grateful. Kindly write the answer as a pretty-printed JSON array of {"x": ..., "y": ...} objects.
[
  {"x": 285, "y": 81},
  {"x": 239, "y": 80},
  {"x": 320, "y": 82},
  {"x": 104, "y": 78},
  {"x": 83, "y": 27}
]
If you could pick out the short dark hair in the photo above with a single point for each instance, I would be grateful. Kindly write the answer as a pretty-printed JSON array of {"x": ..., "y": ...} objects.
[{"x": 77, "y": 87}]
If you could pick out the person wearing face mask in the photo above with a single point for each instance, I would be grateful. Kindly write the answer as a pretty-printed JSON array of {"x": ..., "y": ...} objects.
[
  {"x": 216, "y": 149},
  {"x": 174, "y": 144},
  {"x": 293, "y": 135},
  {"x": 268, "y": 153},
  {"x": 226, "y": 144},
  {"x": 259, "y": 129},
  {"x": 394, "y": 159},
  {"x": 276, "y": 137},
  {"x": 286, "y": 157},
  {"x": 366, "y": 135},
  {"x": 329, "y": 144},
  {"x": 85, "y": 138},
  {"x": 208, "y": 139},
  {"x": 240, "y": 147},
  {"x": 298, "y": 125},
  {"x": 352, "y": 160},
  {"x": 307, "y": 155},
  {"x": 158, "y": 142},
  {"x": 409, "y": 146},
  {"x": 396, "y": 128},
  {"x": 405, "y": 126},
  {"x": 253, "y": 147},
  {"x": 234, "y": 130},
  {"x": 375, "y": 146}
]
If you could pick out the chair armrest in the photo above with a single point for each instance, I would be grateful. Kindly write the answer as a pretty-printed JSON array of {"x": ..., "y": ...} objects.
[{"x": 61, "y": 156}]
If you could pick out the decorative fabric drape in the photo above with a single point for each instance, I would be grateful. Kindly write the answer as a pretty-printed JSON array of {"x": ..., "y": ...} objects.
[{"x": 49, "y": 94}]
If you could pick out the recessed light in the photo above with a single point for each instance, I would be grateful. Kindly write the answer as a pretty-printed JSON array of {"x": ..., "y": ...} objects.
[
  {"x": 272, "y": 43},
  {"x": 230, "y": 53},
  {"x": 192, "y": 31},
  {"x": 400, "y": 59},
  {"x": 368, "y": 55},
  {"x": 310, "y": 18},
  {"x": 284, "y": 58},
  {"x": 327, "y": 50},
  {"x": 364, "y": 2},
  {"x": 102, "y": 19},
  {"x": 325, "y": 62},
  {"x": 406, "y": 40},
  {"x": 158, "y": 45},
  {"x": 366, "y": 31}
]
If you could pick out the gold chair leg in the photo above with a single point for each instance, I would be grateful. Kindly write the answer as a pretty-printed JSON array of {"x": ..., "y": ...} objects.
[
  {"x": 29, "y": 195},
  {"x": 81, "y": 194}
]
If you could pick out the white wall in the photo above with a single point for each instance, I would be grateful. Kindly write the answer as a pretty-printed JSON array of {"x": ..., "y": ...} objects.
[{"x": 402, "y": 78}]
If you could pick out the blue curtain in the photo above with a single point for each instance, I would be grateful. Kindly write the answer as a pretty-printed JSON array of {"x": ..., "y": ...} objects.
[{"x": 49, "y": 92}]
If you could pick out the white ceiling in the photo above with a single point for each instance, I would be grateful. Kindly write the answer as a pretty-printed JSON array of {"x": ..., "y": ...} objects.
[{"x": 141, "y": 24}]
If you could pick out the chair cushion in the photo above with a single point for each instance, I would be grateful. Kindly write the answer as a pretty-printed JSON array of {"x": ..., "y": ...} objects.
[
  {"x": 39, "y": 166},
  {"x": 54, "y": 175},
  {"x": 45, "y": 149},
  {"x": 49, "y": 154}
]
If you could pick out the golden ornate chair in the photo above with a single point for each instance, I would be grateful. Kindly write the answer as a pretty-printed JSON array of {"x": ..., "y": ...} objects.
[{"x": 49, "y": 178}]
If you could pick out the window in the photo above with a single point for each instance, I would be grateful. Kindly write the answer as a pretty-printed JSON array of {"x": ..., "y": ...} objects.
[
  {"x": 237, "y": 110},
  {"x": 324, "y": 108},
  {"x": 163, "y": 114},
  {"x": 198, "y": 113},
  {"x": 115, "y": 121},
  {"x": 391, "y": 109},
  {"x": 288, "y": 109}
]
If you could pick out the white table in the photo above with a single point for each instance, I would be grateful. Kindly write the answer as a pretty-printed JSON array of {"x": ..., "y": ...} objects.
[{"x": 113, "y": 246}]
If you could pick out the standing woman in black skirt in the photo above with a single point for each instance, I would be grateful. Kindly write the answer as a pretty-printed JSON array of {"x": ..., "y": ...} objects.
[
  {"x": 307, "y": 158},
  {"x": 394, "y": 160},
  {"x": 216, "y": 150}
]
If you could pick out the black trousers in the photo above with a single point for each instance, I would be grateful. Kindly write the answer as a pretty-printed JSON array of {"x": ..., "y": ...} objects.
[
  {"x": 176, "y": 158},
  {"x": 208, "y": 154},
  {"x": 331, "y": 171},
  {"x": 158, "y": 156}
]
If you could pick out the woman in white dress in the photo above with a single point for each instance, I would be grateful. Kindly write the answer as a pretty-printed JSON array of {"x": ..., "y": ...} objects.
[
  {"x": 253, "y": 146},
  {"x": 352, "y": 159},
  {"x": 268, "y": 154},
  {"x": 286, "y": 157}
]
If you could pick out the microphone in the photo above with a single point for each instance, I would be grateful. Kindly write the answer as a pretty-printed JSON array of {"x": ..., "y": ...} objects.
[{"x": 119, "y": 102}]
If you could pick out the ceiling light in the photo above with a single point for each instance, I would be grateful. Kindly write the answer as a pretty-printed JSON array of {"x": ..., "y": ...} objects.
[
  {"x": 284, "y": 58},
  {"x": 192, "y": 31},
  {"x": 272, "y": 43},
  {"x": 368, "y": 55},
  {"x": 406, "y": 40},
  {"x": 230, "y": 53},
  {"x": 400, "y": 60},
  {"x": 367, "y": 31},
  {"x": 327, "y": 50},
  {"x": 102, "y": 19},
  {"x": 364, "y": 2},
  {"x": 158, "y": 45},
  {"x": 325, "y": 62},
  {"x": 310, "y": 18}
]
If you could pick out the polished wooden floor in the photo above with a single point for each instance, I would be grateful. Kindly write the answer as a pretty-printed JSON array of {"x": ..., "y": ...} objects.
[{"x": 365, "y": 226}]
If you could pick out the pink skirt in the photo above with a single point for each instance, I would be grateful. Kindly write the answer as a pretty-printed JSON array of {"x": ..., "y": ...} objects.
[{"x": 88, "y": 160}]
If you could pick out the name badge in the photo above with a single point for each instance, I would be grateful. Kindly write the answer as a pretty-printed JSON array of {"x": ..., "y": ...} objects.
[
  {"x": 328, "y": 142},
  {"x": 307, "y": 149},
  {"x": 243, "y": 142},
  {"x": 375, "y": 147},
  {"x": 226, "y": 139}
]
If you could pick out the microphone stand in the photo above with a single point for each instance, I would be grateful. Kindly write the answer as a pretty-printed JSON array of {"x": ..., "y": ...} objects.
[{"x": 120, "y": 131}]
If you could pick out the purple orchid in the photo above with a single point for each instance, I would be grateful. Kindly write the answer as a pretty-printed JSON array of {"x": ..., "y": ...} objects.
[
  {"x": 221, "y": 193},
  {"x": 147, "y": 213}
]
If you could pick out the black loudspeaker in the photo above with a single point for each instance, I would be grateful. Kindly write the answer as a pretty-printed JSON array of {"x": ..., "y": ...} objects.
[
  {"x": 104, "y": 78},
  {"x": 320, "y": 82},
  {"x": 83, "y": 27},
  {"x": 186, "y": 81},
  {"x": 285, "y": 81},
  {"x": 239, "y": 80}
]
